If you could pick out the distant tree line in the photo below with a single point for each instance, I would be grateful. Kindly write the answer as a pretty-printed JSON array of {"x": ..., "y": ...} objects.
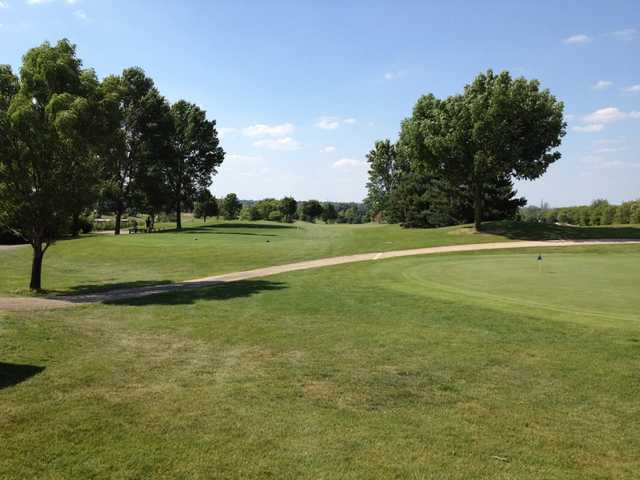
[
  {"x": 455, "y": 159},
  {"x": 600, "y": 212},
  {"x": 286, "y": 210},
  {"x": 72, "y": 143}
]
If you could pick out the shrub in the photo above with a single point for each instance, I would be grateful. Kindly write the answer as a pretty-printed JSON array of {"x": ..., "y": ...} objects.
[
  {"x": 275, "y": 216},
  {"x": 9, "y": 237}
]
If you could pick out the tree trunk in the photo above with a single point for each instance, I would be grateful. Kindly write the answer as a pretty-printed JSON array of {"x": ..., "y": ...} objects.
[
  {"x": 178, "y": 217},
  {"x": 75, "y": 224},
  {"x": 116, "y": 231},
  {"x": 36, "y": 267},
  {"x": 477, "y": 207}
]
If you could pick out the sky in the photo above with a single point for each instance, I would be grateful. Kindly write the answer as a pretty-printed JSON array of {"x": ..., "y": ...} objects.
[{"x": 301, "y": 90}]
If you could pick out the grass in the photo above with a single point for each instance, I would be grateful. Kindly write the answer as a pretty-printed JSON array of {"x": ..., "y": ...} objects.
[
  {"x": 99, "y": 262},
  {"x": 455, "y": 366}
]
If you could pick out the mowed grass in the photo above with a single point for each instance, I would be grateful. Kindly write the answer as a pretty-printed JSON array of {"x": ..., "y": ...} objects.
[
  {"x": 100, "y": 262},
  {"x": 455, "y": 366}
]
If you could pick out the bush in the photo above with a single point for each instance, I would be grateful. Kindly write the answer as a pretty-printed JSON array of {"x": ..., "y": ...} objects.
[
  {"x": 9, "y": 237},
  {"x": 166, "y": 218},
  {"x": 275, "y": 216},
  {"x": 85, "y": 224}
]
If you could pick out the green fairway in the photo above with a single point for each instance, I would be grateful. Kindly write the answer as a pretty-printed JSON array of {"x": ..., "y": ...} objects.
[
  {"x": 459, "y": 366},
  {"x": 100, "y": 262}
]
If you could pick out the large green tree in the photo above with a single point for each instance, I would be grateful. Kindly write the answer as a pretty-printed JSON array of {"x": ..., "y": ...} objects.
[
  {"x": 136, "y": 143},
  {"x": 329, "y": 213},
  {"x": 499, "y": 128},
  {"x": 196, "y": 155},
  {"x": 205, "y": 206},
  {"x": 382, "y": 177},
  {"x": 48, "y": 156},
  {"x": 311, "y": 209},
  {"x": 288, "y": 207},
  {"x": 231, "y": 207}
]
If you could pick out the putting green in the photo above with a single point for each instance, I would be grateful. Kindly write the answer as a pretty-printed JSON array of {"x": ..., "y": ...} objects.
[{"x": 574, "y": 283}]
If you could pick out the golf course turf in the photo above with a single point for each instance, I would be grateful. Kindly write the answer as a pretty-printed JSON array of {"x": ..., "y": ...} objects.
[
  {"x": 105, "y": 262},
  {"x": 456, "y": 366}
]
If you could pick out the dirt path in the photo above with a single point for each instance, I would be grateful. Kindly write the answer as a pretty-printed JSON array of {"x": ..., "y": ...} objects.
[
  {"x": 12, "y": 247},
  {"x": 33, "y": 303}
]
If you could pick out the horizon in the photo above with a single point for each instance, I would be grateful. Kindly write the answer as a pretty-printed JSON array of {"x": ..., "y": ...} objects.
[{"x": 301, "y": 92}]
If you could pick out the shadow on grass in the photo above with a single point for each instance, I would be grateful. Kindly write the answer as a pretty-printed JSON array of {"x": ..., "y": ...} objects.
[
  {"x": 11, "y": 373},
  {"x": 189, "y": 293},
  {"x": 92, "y": 288},
  {"x": 542, "y": 231}
]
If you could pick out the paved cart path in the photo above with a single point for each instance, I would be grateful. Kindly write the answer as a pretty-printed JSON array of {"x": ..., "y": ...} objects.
[{"x": 64, "y": 301}]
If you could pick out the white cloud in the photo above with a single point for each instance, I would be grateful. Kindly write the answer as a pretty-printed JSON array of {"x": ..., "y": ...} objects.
[
  {"x": 226, "y": 131},
  {"x": 633, "y": 88},
  {"x": 234, "y": 157},
  {"x": 395, "y": 75},
  {"x": 625, "y": 34},
  {"x": 285, "y": 143},
  {"x": 579, "y": 39},
  {"x": 328, "y": 149},
  {"x": 246, "y": 165},
  {"x": 591, "y": 128},
  {"x": 609, "y": 115},
  {"x": 602, "y": 84},
  {"x": 4, "y": 4},
  {"x": 331, "y": 123},
  {"x": 262, "y": 130},
  {"x": 328, "y": 123},
  {"x": 609, "y": 150},
  {"x": 80, "y": 15},
  {"x": 38, "y": 2},
  {"x": 70, "y": 2},
  {"x": 617, "y": 163},
  {"x": 610, "y": 141},
  {"x": 348, "y": 163}
]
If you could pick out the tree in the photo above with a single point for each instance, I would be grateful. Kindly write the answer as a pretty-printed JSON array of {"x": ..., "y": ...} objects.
[
  {"x": 231, "y": 206},
  {"x": 136, "y": 143},
  {"x": 288, "y": 208},
  {"x": 329, "y": 213},
  {"x": 382, "y": 177},
  {"x": 498, "y": 128},
  {"x": 266, "y": 206},
  {"x": 196, "y": 154},
  {"x": 206, "y": 206},
  {"x": 46, "y": 122},
  {"x": 311, "y": 209}
]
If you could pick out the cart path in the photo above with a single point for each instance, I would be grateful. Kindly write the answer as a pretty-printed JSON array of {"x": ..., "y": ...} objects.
[
  {"x": 13, "y": 247},
  {"x": 64, "y": 301}
]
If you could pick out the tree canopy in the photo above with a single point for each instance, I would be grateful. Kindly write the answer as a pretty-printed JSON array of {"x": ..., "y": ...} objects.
[
  {"x": 71, "y": 143},
  {"x": 467, "y": 148},
  {"x": 195, "y": 155},
  {"x": 48, "y": 120}
]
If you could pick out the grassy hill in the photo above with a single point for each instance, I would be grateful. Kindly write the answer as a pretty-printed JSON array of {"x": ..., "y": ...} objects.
[
  {"x": 458, "y": 366},
  {"x": 97, "y": 262}
]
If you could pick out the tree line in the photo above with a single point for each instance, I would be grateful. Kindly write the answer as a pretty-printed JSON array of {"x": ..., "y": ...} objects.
[
  {"x": 286, "y": 210},
  {"x": 70, "y": 140},
  {"x": 599, "y": 212},
  {"x": 456, "y": 158}
]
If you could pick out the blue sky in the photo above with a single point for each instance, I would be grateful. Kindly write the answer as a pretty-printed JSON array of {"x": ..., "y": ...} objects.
[{"x": 302, "y": 89}]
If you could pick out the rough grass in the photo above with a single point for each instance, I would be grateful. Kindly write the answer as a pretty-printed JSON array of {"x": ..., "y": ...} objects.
[
  {"x": 450, "y": 367},
  {"x": 100, "y": 262}
]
